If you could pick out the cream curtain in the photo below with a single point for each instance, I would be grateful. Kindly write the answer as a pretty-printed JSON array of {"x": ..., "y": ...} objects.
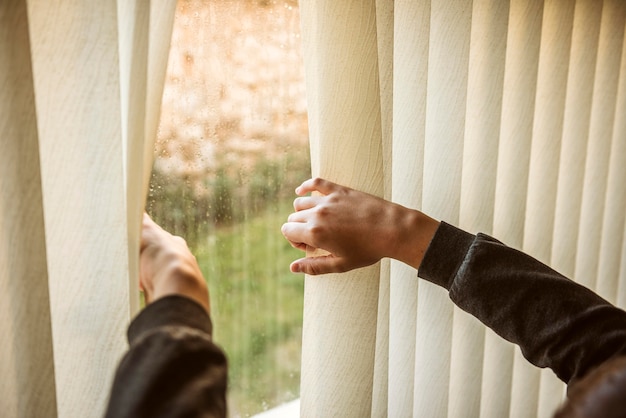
[
  {"x": 80, "y": 89},
  {"x": 505, "y": 117}
]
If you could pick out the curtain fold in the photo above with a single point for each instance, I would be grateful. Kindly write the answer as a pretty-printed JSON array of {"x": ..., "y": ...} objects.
[
  {"x": 542, "y": 184},
  {"x": 506, "y": 118},
  {"x": 410, "y": 64},
  {"x": 145, "y": 30},
  {"x": 484, "y": 105},
  {"x": 81, "y": 87},
  {"x": 76, "y": 78},
  {"x": 448, "y": 57},
  {"x": 338, "y": 347},
  {"x": 384, "y": 36},
  {"x": 26, "y": 362}
]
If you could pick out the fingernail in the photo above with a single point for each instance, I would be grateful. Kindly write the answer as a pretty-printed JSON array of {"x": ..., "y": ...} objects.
[{"x": 295, "y": 268}]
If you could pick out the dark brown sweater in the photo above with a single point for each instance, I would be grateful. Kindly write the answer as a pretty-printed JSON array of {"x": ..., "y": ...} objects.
[
  {"x": 556, "y": 322},
  {"x": 172, "y": 368}
]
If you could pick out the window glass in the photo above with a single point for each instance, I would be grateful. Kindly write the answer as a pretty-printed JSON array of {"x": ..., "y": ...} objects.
[{"x": 231, "y": 148}]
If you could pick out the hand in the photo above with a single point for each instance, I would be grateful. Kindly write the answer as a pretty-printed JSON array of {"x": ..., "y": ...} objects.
[
  {"x": 167, "y": 266},
  {"x": 356, "y": 229}
]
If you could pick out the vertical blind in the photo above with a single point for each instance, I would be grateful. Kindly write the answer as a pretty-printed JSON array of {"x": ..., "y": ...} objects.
[
  {"x": 80, "y": 89},
  {"x": 504, "y": 117}
]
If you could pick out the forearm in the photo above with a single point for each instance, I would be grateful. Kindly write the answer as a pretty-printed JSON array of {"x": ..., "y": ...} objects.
[
  {"x": 556, "y": 322},
  {"x": 172, "y": 368}
]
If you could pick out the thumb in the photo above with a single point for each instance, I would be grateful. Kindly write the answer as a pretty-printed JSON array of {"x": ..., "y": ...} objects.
[{"x": 318, "y": 265}]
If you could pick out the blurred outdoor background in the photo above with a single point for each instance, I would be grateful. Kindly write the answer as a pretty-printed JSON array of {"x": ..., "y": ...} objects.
[{"x": 232, "y": 146}]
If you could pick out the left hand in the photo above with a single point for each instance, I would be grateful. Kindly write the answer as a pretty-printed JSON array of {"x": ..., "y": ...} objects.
[{"x": 167, "y": 266}]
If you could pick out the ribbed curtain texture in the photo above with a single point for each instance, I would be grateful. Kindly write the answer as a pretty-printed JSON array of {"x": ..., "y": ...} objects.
[
  {"x": 80, "y": 93},
  {"x": 504, "y": 117}
]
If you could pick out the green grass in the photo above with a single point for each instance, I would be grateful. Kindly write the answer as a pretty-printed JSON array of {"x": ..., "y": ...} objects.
[
  {"x": 256, "y": 307},
  {"x": 231, "y": 219}
]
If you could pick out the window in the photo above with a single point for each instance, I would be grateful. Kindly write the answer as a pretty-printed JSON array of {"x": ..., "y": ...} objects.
[{"x": 231, "y": 148}]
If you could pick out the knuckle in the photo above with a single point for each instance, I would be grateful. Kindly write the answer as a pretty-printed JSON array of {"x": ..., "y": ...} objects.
[
  {"x": 335, "y": 197},
  {"x": 317, "y": 181},
  {"x": 317, "y": 235},
  {"x": 313, "y": 269},
  {"x": 316, "y": 230},
  {"x": 323, "y": 211}
]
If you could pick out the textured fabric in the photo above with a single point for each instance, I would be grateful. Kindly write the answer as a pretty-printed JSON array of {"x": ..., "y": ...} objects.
[
  {"x": 556, "y": 322},
  {"x": 172, "y": 368}
]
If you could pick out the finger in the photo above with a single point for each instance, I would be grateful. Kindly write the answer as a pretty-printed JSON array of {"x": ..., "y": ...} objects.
[
  {"x": 147, "y": 233},
  {"x": 318, "y": 265},
  {"x": 302, "y": 216},
  {"x": 308, "y": 202},
  {"x": 147, "y": 221},
  {"x": 299, "y": 246},
  {"x": 317, "y": 185},
  {"x": 296, "y": 232}
]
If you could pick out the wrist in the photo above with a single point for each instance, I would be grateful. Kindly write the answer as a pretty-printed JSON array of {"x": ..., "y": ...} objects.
[
  {"x": 184, "y": 280},
  {"x": 416, "y": 232}
]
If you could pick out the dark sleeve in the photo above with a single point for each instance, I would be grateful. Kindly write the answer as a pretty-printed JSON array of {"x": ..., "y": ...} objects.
[
  {"x": 172, "y": 368},
  {"x": 556, "y": 322}
]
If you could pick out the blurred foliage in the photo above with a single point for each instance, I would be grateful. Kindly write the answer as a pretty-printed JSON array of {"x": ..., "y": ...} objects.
[
  {"x": 231, "y": 219},
  {"x": 256, "y": 305},
  {"x": 190, "y": 204}
]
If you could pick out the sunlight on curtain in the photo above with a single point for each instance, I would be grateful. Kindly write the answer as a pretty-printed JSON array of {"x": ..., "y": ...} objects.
[
  {"x": 507, "y": 119},
  {"x": 338, "y": 342},
  {"x": 26, "y": 360},
  {"x": 71, "y": 139}
]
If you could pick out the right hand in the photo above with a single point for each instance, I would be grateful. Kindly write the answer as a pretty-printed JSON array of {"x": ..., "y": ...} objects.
[{"x": 356, "y": 229}]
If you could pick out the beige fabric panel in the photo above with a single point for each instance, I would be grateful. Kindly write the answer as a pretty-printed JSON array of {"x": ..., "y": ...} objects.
[
  {"x": 134, "y": 22},
  {"x": 384, "y": 36},
  {"x": 556, "y": 39},
  {"x": 595, "y": 188},
  {"x": 450, "y": 27},
  {"x": 518, "y": 102},
  {"x": 76, "y": 72},
  {"x": 482, "y": 127},
  {"x": 577, "y": 108},
  {"x": 548, "y": 127},
  {"x": 27, "y": 388},
  {"x": 381, "y": 356},
  {"x": 600, "y": 134},
  {"x": 615, "y": 258},
  {"x": 621, "y": 289},
  {"x": 614, "y": 209},
  {"x": 162, "y": 14},
  {"x": 145, "y": 31},
  {"x": 576, "y": 121},
  {"x": 499, "y": 354},
  {"x": 410, "y": 69},
  {"x": 340, "y": 313},
  {"x": 553, "y": 65}
]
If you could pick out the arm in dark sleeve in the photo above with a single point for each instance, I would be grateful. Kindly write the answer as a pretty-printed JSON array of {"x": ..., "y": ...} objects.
[
  {"x": 172, "y": 367},
  {"x": 556, "y": 322}
]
